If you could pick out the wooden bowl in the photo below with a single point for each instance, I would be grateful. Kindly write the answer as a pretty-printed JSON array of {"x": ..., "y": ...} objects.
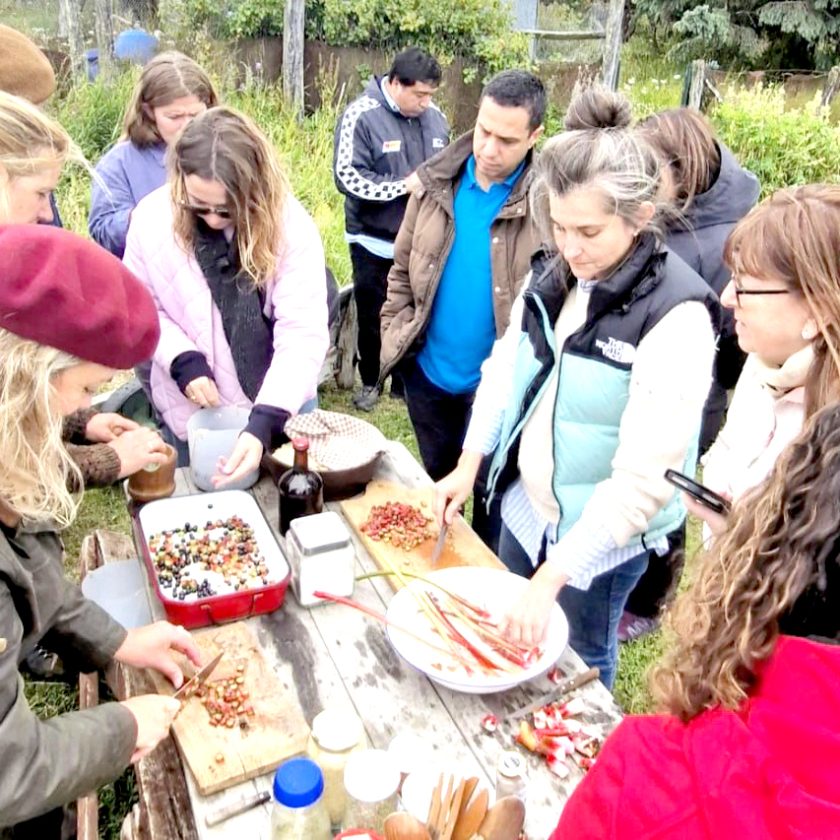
[{"x": 338, "y": 484}]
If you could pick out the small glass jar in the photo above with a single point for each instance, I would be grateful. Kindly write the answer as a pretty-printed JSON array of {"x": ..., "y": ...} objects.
[
  {"x": 511, "y": 775},
  {"x": 299, "y": 808},
  {"x": 336, "y": 733},
  {"x": 321, "y": 555},
  {"x": 371, "y": 779}
]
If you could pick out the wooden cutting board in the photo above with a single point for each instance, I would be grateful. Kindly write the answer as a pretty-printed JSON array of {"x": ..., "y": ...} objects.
[
  {"x": 463, "y": 547},
  {"x": 276, "y": 731}
]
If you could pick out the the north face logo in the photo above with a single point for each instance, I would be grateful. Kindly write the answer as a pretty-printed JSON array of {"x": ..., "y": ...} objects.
[{"x": 617, "y": 351}]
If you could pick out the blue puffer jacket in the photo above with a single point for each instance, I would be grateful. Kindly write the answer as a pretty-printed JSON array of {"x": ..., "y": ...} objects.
[{"x": 595, "y": 366}]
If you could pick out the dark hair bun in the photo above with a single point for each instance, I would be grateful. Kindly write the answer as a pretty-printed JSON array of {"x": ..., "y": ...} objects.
[{"x": 596, "y": 108}]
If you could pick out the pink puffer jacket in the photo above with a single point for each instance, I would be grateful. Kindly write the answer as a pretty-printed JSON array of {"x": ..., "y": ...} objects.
[{"x": 189, "y": 320}]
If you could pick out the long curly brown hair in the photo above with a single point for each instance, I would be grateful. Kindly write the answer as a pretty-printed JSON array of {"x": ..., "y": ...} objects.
[{"x": 780, "y": 540}]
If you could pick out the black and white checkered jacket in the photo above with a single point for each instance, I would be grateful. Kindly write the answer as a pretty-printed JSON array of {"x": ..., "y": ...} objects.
[{"x": 375, "y": 149}]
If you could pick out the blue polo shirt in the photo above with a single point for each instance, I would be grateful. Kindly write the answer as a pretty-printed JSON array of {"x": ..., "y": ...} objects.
[{"x": 462, "y": 328}]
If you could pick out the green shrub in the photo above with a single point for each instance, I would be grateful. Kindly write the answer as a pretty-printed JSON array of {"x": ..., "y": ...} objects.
[
  {"x": 783, "y": 147},
  {"x": 477, "y": 30},
  {"x": 92, "y": 113}
]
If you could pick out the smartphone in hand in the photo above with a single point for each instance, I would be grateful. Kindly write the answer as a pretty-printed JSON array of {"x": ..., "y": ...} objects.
[{"x": 697, "y": 491}]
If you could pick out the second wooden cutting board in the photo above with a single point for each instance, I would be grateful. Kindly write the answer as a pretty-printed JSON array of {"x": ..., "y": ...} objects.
[
  {"x": 463, "y": 547},
  {"x": 219, "y": 757}
]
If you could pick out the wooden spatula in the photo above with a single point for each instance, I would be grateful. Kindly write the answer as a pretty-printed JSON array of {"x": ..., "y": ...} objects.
[
  {"x": 454, "y": 811},
  {"x": 471, "y": 816},
  {"x": 434, "y": 809}
]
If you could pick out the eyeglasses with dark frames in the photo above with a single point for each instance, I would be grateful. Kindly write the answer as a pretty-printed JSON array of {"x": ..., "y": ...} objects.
[
  {"x": 739, "y": 290},
  {"x": 204, "y": 210}
]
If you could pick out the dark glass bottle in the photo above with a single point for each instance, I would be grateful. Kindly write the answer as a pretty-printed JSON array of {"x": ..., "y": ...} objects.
[{"x": 301, "y": 490}]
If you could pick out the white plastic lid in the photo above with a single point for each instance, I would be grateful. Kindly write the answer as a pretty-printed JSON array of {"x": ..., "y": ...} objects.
[
  {"x": 319, "y": 532},
  {"x": 371, "y": 776},
  {"x": 409, "y": 751},
  {"x": 337, "y": 729}
]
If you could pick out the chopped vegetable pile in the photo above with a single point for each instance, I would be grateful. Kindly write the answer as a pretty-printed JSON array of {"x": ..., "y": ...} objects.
[
  {"x": 200, "y": 561},
  {"x": 399, "y": 524},
  {"x": 227, "y": 702},
  {"x": 560, "y": 737}
]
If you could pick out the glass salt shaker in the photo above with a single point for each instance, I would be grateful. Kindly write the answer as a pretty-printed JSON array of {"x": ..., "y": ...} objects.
[{"x": 511, "y": 776}]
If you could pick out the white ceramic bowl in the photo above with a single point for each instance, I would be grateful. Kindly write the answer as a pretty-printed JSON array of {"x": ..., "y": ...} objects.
[{"x": 494, "y": 590}]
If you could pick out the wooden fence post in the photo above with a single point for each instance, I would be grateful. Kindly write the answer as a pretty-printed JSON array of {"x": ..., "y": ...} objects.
[
  {"x": 104, "y": 28},
  {"x": 612, "y": 44},
  {"x": 293, "y": 31},
  {"x": 696, "y": 84},
  {"x": 70, "y": 13},
  {"x": 832, "y": 87}
]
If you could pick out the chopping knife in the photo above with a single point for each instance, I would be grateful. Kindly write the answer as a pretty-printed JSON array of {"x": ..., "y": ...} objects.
[
  {"x": 562, "y": 688},
  {"x": 199, "y": 678},
  {"x": 441, "y": 541}
]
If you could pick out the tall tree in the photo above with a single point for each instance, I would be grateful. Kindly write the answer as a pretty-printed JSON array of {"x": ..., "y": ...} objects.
[{"x": 783, "y": 33}]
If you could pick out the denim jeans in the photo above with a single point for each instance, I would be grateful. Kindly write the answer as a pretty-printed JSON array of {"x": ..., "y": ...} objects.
[{"x": 594, "y": 613}]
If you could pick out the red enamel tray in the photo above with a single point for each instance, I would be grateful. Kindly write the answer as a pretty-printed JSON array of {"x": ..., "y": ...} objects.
[{"x": 176, "y": 512}]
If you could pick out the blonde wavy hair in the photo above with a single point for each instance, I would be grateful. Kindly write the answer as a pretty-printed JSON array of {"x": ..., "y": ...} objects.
[
  {"x": 780, "y": 539},
  {"x": 224, "y": 145},
  {"x": 34, "y": 463},
  {"x": 793, "y": 237},
  {"x": 167, "y": 77},
  {"x": 29, "y": 142}
]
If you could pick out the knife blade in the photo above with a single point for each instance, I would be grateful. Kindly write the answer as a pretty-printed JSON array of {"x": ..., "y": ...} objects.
[
  {"x": 199, "y": 678},
  {"x": 561, "y": 689},
  {"x": 441, "y": 541}
]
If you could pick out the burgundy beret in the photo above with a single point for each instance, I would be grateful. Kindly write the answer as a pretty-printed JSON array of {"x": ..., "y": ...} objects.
[{"x": 59, "y": 289}]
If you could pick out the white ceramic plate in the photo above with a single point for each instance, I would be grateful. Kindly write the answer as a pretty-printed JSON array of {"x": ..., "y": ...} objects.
[{"x": 494, "y": 590}]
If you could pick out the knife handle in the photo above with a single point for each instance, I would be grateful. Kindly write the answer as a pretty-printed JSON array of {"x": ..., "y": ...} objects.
[{"x": 238, "y": 806}]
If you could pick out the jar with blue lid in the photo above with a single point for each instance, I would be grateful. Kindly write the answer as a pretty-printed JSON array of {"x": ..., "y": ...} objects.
[{"x": 299, "y": 809}]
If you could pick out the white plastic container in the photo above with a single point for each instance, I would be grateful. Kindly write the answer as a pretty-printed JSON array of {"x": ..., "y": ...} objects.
[
  {"x": 321, "y": 555},
  {"x": 211, "y": 434},
  {"x": 120, "y": 589}
]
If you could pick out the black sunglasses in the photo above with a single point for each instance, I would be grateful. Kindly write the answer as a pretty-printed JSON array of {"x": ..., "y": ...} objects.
[{"x": 203, "y": 210}]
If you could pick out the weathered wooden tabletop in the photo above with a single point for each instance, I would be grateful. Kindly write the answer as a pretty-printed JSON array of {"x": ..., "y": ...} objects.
[{"x": 332, "y": 655}]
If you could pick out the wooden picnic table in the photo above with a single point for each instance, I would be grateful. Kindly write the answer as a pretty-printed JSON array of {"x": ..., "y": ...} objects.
[{"x": 332, "y": 655}]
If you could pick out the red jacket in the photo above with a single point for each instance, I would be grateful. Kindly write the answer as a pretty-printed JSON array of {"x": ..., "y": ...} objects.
[{"x": 770, "y": 771}]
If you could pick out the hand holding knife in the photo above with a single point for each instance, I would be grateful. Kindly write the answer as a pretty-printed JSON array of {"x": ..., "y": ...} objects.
[
  {"x": 441, "y": 542},
  {"x": 198, "y": 679}
]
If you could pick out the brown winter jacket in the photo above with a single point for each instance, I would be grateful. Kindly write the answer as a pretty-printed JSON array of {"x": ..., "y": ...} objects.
[
  {"x": 425, "y": 239},
  {"x": 47, "y": 763}
]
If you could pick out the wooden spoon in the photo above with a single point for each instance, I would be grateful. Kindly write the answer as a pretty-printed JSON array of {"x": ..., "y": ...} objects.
[
  {"x": 504, "y": 820},
  {"x": 471, "y": 816},
  {"x": 402, "y": 826}
]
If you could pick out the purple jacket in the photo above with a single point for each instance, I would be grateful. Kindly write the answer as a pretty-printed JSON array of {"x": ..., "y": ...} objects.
[{"x": 126, "y": 173}]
